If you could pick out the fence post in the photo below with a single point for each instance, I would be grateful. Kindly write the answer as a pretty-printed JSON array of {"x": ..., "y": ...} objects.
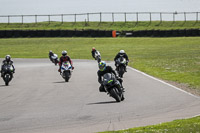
[
  {"x": 185, "y": 16},
  {"x": 160, "y": 17},
  {"x": 49, "y": 18},
  {"x": 100, "y": 17},
  {"x": 62, "y": 18},
  {"x": 197, "y": 17},
  {"x": 137, "y": 18},
  {"x": 22, "y": 19},
  {"x": 173, "y": 17},
  {"x": 8, "y": 19},
  {"x": 36, "y": 19},
  {"x": 74, "y": 18},
  {"x": 113, "y": 18},
  {"x": 125, "y": 16},
  {"x": 150, "y": 16},
  {"x": 88, "y": 17}
]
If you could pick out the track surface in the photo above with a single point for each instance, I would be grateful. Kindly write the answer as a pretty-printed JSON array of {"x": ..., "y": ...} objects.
[{"x": 39, "y": 101}]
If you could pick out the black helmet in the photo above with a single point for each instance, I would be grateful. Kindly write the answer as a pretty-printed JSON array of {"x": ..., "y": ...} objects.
[{"x": 8, "y": 57}]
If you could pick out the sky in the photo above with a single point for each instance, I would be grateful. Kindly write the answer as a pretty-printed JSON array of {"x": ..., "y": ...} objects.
[{"x": 31, "y": 7}]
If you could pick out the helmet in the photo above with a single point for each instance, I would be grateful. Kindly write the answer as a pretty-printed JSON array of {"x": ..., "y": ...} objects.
[
  {"x": 50, "y": 51},
  {"x": 102, "y": 65},
  {"x": 7, "y": 58},
  {"x": 93, "y": 49},
  {"x": 64, "y": 53},
  {"x": 121, "y": 51}
]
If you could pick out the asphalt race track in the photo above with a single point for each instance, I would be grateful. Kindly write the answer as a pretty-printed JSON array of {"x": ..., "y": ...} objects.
[{"x": 39, "y": 101}]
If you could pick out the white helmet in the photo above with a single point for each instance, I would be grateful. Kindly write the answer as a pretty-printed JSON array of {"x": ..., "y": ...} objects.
[
  {"x": 64, "y": 52},
  {"x": 121, "y": 51}
]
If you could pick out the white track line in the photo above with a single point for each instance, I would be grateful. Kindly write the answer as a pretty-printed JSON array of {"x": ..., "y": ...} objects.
[{"x": 163, "y": 82}]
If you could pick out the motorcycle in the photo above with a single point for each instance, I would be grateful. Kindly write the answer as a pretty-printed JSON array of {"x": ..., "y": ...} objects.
[
  {"x": 97, "y": 56},
  {"x": 54, "y": 59},
  {"x": 113, "y": 87},
  {"x": 121, "y": 66},
  {"x": 7, "y": 73},
  {"x": 66, "y": 71}
]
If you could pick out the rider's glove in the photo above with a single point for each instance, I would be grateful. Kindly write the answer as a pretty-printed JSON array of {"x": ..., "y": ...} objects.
[
  {"x": 58, "y": 70},
  {"x": 72, "y": 67}
]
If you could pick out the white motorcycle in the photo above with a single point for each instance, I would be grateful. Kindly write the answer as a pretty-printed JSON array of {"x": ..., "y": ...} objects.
[
  {"x": 54, "y": 59},
  {"x": 121, "y": 66},
  {"x": 97, "y": 56},
  {"x": 66, "y": 70}
]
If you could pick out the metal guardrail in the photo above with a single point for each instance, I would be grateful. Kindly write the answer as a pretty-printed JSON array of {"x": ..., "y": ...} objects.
[{"x": 103, "y": 17}]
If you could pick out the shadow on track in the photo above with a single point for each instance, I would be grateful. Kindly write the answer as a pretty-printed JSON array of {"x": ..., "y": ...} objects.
[
  {"x": 2, "y": 85},
  {"x": 109, "y": 102},
  {"x": 60, "y": 82}
]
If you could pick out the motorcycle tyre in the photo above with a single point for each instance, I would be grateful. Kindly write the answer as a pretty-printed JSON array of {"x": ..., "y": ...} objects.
[
  {"x": 66, "y": 76},
  {"x": 121, "y": 71},
  {"x": 7, "y": 80},
  {"x": 115, "y": 94}
]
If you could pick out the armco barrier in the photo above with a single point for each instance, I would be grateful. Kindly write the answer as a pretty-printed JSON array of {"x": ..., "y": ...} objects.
[{"x": 98, "y": 33}]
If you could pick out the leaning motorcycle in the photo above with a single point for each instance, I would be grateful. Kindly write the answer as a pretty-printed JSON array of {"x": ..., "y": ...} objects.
[
  {"x": 7, "y": 73},
  {"x": 121, "y": 66},
  {"x": 66, "y": 70},
  {"x": 113, "y": 87},
  {"x": 54, "y": 59},
  {"x": 97, "y": 56}
]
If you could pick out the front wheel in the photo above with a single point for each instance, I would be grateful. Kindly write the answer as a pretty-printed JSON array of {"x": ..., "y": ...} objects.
[
  {"x": 115, "y": 94},
  {"x": 7, "y": 79},
  {"x": 67, "y": 76}
]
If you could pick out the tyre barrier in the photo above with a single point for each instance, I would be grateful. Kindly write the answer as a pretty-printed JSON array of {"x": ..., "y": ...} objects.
[
  {"x": 54, "y": 33},
  {"x": 162, "y": 33},
  {"x": 98, "y": 33}
]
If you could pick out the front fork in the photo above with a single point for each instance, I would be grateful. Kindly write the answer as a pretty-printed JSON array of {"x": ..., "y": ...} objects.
[{"x": 119, "y": 86}]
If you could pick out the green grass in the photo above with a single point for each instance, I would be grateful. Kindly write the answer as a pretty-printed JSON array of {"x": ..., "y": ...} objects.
[
  {"x": 173, "y": 59},
  {"x": 119, "y": 26},
  {"x": 191, "y": 125}
]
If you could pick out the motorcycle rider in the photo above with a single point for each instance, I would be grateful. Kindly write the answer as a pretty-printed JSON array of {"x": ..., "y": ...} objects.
[
  {"x": 50, "y": 54},
  {"x": 5, "y": 62},
  {"x": 103, "y": 69},
  {"x": 93, "y": 52},
  {"x": 123, "y": 54},
  {"x": 64, "y": 58}
]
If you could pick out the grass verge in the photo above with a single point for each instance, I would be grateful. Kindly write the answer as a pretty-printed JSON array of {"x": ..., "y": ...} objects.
[
  {"x": 171, "y": 59},
  {"x": 119, "y": 26},
  {"x": 191, "y": 125}
]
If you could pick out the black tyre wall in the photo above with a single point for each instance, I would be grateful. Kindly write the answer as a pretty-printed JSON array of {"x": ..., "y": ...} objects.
[{"x": 97, "y": 33}]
